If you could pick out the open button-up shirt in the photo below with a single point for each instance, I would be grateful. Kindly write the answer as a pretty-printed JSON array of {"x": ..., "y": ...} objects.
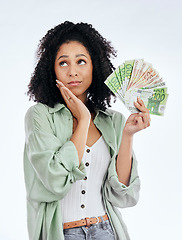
[{"x": 51, "y": 166}]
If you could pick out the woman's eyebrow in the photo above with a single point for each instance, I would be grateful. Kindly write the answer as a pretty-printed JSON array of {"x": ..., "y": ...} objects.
[
  {"x": 81, "y": 55},
  {"x": 78, "y": 55},
  {"x": 63, "y": 56}
]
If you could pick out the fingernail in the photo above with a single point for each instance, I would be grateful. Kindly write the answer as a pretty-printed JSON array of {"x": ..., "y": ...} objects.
[{"x": 60, "y": 83}]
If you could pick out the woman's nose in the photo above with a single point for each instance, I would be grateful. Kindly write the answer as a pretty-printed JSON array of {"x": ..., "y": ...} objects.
[{"x": 72, "y": 71}]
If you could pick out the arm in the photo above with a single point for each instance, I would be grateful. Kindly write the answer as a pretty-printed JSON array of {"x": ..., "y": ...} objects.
[
  {"x": 124, "y": 159},
  {"x": 51, "y": 164},
  {"x": 136, "y": 122},
  {"x": 83, "y": 116},
  {"x": 123, "y": 184},
  {"x": 79, "y": 137}
]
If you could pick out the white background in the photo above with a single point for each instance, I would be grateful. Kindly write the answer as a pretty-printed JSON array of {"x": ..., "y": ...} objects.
[{"x": 137, "y": 29}]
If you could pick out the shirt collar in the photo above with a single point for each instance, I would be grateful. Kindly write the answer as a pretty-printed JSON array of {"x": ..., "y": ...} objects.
[
  {"x": 59, "y": 106},
  {"x": 106, "y": 112},
  {"x": 56, "y": 108}
]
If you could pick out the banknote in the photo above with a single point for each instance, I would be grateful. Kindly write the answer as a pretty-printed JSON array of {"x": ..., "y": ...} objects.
[
  {"x": 154, "y": 99},
  {"x": 138, "y": 63},
  {"x": 114, "y": 86},
  {"x": 137, "y": 78}
]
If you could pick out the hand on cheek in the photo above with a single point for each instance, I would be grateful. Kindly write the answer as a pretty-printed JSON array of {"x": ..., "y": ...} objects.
[{"x": 75, "y": 105}]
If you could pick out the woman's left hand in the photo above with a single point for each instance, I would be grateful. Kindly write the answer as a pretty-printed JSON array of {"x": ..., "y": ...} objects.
[{"x": 137, "y": 121}]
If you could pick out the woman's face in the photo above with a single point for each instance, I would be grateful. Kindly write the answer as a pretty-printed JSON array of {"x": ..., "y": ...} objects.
[{"x": 73, "y": 66}]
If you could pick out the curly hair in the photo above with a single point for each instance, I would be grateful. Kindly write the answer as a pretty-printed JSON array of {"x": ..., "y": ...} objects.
[{"x": 42, "y": 87}]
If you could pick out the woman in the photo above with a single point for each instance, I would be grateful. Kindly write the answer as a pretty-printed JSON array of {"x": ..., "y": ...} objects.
[{"x": 78, "y": 160}]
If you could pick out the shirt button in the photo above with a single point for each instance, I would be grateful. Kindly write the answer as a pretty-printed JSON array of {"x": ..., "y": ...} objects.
[
  {"x": 71, "y": 181},
  {"x": 88, "y": 150},
  {"x": 85, "y": 178},
  {"x": 86, "y": 164},
  {"x": 82, "y": 206},
  {"x": 83, "y": 191}
]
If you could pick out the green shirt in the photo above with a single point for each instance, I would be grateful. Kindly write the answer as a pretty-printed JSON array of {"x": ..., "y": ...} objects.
[{"x": 51, "y": 165}]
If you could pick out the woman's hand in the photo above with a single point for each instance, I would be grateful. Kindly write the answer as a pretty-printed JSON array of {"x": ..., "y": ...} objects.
[
  {"x": 83, "y": 116},
  {"x": 137, "y": 121},
  {"x": 75, "y": 105}
]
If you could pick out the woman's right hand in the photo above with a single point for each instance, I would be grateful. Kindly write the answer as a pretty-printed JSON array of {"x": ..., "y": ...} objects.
[{"x": 75, "y": 105}]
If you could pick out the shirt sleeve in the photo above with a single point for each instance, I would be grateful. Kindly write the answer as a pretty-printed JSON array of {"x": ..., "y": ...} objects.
[
  {"x": 116, "y": 192},
  {"x": 50, "y": 166}
]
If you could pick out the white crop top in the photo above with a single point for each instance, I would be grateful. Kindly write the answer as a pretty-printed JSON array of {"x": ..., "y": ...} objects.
[{"x": 84, "y": 198}]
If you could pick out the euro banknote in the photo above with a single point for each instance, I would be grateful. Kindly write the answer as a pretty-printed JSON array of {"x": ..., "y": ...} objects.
[{"x": 137, "y": 78}]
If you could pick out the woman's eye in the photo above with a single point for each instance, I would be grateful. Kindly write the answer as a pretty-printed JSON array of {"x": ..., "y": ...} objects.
[
  {"x": 63, "y": 64},
  {"x": 81, "y": 62}
]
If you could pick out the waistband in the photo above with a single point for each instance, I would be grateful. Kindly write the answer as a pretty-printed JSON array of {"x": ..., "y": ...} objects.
[{"x": 85, "y": 222}]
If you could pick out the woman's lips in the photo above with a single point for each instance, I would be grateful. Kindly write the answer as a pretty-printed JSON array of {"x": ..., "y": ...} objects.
[{"x": 74, "y": 83}]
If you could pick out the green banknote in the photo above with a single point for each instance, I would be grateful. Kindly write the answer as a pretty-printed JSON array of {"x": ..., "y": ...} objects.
[
  {"x": 154, "y": 99},
  {"x": 157, "y": 103},
  {"x": 114, "y": 86},
  {"x": 128, "y": 68},
  {"x": 112, "y": 83}
]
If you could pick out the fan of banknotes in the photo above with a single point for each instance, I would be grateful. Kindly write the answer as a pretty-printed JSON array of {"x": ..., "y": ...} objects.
[{"x": 136, "y": 78}]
